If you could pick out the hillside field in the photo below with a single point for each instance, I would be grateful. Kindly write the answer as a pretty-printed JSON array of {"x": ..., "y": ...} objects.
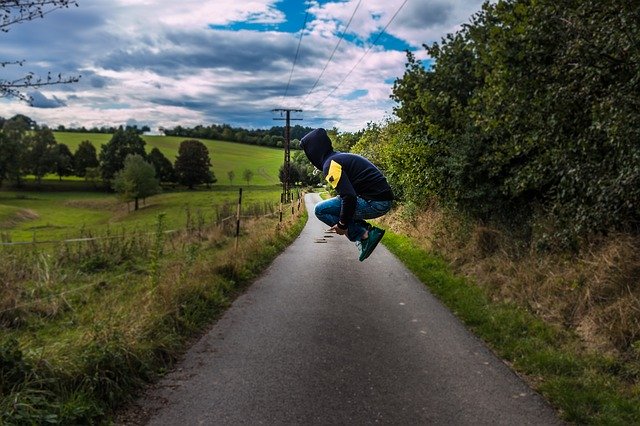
[
  {"x": 225, "y": 156},
  {"x": 41, "y": 216}
]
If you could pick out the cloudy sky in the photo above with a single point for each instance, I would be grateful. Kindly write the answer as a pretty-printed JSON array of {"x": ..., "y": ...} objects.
[{"x": 188, "y": 62}]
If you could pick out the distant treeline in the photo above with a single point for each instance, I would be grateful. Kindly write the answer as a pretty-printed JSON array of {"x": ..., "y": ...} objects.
[
  {"x": 273, "y": 137},
  {"x": 27, "y": 148},
  {"x": 109, "y": 130}
]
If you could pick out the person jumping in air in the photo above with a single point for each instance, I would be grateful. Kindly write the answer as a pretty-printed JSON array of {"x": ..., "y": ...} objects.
[{"x": 363, "y": 192}]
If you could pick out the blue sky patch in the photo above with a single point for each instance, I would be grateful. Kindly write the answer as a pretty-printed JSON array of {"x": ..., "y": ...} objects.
[{"x": 356, "y": 94}]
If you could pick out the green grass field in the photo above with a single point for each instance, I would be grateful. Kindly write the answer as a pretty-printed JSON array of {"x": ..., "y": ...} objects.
[
  {"x": 25, "y": 216},
  {"x": 68, "y": 208},
  {"x": 84, "y": 325},
  {"x": 225, "y": 156}
]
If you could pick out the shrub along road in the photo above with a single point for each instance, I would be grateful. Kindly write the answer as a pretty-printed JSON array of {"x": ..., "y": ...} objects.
[{"x": 323, "y": 338}]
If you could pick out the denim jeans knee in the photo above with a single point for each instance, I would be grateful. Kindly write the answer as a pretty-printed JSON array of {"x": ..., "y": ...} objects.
[{"x": 328, "y": 211}]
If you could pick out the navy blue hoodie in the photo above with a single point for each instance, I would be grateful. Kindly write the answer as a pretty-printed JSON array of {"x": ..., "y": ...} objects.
[{"x": 350, "y": 174}]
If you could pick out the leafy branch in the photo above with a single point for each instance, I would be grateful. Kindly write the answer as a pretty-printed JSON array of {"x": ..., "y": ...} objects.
[
  {"x": 17, "y": 11},
  {"x": 11, "y": 88}
]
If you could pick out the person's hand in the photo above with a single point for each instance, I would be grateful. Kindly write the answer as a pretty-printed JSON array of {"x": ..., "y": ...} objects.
[{"x": 338, "y": 230}]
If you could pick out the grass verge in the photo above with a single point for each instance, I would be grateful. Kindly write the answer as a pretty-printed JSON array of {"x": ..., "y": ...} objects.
[{"x": 586, "y": 388}]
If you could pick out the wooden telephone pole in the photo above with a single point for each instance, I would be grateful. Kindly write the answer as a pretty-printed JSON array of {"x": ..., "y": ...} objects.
[{"x": 286, "y": 184}]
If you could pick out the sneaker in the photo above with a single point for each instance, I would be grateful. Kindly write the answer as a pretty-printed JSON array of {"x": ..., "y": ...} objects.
[{"x": 367, "y": 246}]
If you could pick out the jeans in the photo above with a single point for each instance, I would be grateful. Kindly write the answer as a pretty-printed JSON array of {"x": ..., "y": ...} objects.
[{"x": 328, "y": 211}]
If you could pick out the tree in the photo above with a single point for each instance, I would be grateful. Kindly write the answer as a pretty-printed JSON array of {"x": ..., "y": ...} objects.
[
  {"x": 17, "y": 11},
  {"x": 192, "y": 163},
  {"x": 136, "y": 180},
  {"x": 164, "y": 168},
  {"x": 122, "y": 143},
  {"x": 302, "y": 170},
  {"x": 531, "y": 109},
  {"x": 62, "y": 160},
  {"x": 92, "y": 174},
  {"x": 294, "y": 174},
  {"x": 247, "y": 175},
  {"x": 84, "y": 158},
  {"x": 211, "y": 178},
  {"x": 13, "y": 150},
  {"x": 231, "y": 175},
  {"x": 40, "y": 156}
]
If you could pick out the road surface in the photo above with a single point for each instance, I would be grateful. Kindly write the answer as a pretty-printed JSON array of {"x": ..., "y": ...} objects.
[{"x": 322, "y": 338}]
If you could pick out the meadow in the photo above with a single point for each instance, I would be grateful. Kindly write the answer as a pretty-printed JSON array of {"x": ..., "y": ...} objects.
[
  {"x": 225, "y": 156},
  {"x": 43, "y": 216},
  {"x": 71, "y": 208},
  {"x": 85, "y": 324}
]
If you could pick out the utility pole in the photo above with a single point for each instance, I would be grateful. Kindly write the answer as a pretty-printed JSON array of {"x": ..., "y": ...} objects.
[{"x": 286, "y": 185}]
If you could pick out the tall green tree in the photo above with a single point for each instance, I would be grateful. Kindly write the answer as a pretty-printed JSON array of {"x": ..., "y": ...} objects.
[
  {"x": 13, "y": 150},
  {"x": 63, "y": 161},
  {"x": 294, "y": 174},
  {"x": 301, "y": 170},
  {"x": 122, "y": 143},
  {"x": 85, "y": 157},
  {"x": 136, "y": 180},
  {"x": 192, "y": 163},
  {"x": 164, "y": 168},
  {"x": 40, "y": 156}
]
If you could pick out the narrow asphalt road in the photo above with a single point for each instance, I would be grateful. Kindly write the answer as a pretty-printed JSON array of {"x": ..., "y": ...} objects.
[{"x": 322, "y": 338}]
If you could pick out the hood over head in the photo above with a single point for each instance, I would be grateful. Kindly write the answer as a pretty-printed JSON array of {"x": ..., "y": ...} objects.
[{"x": 317, "y": 145}]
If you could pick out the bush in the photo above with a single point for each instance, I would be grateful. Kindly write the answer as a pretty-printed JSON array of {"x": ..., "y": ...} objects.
[{"x": 532, "y": 107}]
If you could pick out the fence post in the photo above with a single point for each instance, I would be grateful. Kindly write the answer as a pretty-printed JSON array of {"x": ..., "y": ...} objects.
[{"x": 238, "y": 217}]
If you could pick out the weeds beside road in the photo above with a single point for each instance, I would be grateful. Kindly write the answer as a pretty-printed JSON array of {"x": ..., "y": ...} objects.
[{"x": 587, "y": 387}]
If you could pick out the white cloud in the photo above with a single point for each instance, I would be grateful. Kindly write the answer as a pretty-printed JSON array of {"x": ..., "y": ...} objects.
[
  {"x": 198, "y": 13},
  {"x": 39, "y": 100},
  {"x": 160, "y": 63}
]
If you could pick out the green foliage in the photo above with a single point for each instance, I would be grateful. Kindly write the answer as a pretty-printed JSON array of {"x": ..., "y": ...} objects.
[
  {"x": 273, "y": 137},
  {"x": 85, "y": 157},
  {"x": 63, "y": 161},
  {"x": 136, "y": 180},
  {"x": 247, "y": 175},
  {"x": 302, "y": 171},
  {"x": 530, "y": 109},
  {"x": 164, "y": 168},
  {"x": 343, "y": 142},
  {"x": 40, "y": 156},
  {"x": 121, "y": 144},
  {"x": 13, "y": 368},
  {"x": 13, "y": 150},
  {"x": 192, "y": 164}
]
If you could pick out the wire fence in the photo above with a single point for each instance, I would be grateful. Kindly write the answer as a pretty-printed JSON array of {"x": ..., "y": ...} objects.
[{"x": 218, "y": 222}]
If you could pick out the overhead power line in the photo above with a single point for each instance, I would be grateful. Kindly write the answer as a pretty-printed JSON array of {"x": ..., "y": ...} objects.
[
  {"x": 295, "y": 59},
  {"x": 334, "y": 51},
  {"x": 375, "y": 41}
]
